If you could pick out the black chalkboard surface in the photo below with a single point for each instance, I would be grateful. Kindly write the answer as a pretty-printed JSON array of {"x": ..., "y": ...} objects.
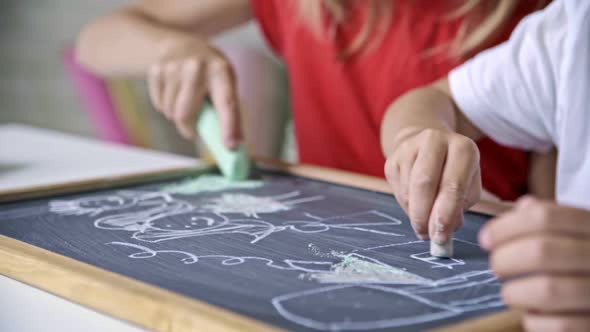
[{"x": 296, "y": 253}]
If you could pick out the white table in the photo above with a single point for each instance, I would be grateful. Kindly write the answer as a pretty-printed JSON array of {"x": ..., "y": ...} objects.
[{"x": 32, "y": 157}]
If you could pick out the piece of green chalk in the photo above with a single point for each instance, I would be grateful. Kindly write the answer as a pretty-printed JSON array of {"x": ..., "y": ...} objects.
[{"x": 234, "y": 165}]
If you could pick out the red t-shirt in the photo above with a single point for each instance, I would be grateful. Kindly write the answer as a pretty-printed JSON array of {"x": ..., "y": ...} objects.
[{"x": 338, "y": 105}]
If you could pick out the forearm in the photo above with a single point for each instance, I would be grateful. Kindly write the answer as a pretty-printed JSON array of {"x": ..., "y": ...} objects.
[
  {"x": 130, "y": 40},
  {"x": 122, "y": 44},
  {"x": 542, "y": 171},
  {"x": 431, "y": 107}
]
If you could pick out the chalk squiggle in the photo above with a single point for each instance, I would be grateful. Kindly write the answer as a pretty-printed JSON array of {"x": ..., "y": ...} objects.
[{"x": 228, "y": 260}]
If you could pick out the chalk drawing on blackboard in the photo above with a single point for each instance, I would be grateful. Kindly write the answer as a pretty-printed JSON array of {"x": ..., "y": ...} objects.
[
  {"x": 209, "y": 183},
  {"x": 356, "y": 278},
  {"x": 164, "y": 217},
  {"x": 438, "y": 262},
  {"x": 252, "y": 206},
  {"x": 424, "y": 299},
  {"x": 389, "y": 245},
  {"x": 144, "y": 252},
  {"x": 422, "y": 303},
  {"x": 163, "y": 203},
  {"x": 355, "y": 268},
  {"x": 96, "y": 205},
  {"x": 170, "y": 227}
]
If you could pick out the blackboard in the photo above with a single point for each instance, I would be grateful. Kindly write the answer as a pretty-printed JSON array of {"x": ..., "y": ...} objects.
[{"x": 293, "y": 252}]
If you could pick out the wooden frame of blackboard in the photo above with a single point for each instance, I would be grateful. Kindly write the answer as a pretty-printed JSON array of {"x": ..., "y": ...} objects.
[
  {"x": 157, "y": 309},
  {"x": 97, "y": 183}
]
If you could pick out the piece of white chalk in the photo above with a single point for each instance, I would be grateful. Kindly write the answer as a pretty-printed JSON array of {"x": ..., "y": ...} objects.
[{"x": 444, "y": 250}]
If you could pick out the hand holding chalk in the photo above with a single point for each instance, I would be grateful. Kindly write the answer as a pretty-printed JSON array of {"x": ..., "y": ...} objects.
[
  {"x": 233, "y": 164},
  {"x": 435, "y": 176},
  {"x": 189, "y": 70}
]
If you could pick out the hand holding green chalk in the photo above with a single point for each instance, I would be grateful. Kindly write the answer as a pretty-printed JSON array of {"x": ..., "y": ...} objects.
[{"x": 234, "y": 165}]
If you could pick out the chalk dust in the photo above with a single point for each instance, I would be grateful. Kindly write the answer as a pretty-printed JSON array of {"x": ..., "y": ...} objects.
[
  {"x": 358, "y": 269},
  {"x": 210, "y": 183},
  {"x": 248, "y": 205}
]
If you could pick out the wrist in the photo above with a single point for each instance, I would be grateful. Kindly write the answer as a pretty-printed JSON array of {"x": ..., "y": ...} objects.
[{"x": 173, "y": 44}]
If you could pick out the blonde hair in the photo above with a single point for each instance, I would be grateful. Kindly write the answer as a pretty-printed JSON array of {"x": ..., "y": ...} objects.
[{"x": 483, "y": 20}]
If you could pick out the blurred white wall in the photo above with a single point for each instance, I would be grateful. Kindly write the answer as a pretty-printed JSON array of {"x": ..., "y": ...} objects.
[{"x": 33, "y": 85}]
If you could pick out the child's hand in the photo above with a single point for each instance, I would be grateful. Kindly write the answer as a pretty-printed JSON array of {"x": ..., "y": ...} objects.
[
  {"x": 191, "y": 70},
  {"x": 435, "y": 176},
  {"x": 544, "y": 250}
]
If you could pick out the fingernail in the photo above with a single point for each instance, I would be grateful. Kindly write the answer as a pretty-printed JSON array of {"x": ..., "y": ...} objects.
[
  {"x": 440, "y": 238},
  {"x": 439, "y": 233},
  {"x": 439, "y": 227},
  {"x": 484, "y": 239}
]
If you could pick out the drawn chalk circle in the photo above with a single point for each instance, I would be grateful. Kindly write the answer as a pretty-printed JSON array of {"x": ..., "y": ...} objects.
[
  {"x": 143, "y": 255},
  {"x": 189, "y": 260},
  {"x": 308, "y": 226},
  {"x": 233, "y": 261},
  {"x": 340, "y": 308}
]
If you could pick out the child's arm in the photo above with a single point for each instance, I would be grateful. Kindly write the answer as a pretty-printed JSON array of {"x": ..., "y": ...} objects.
[
  {"x": 542, "y": 174},
  {"x": 511, "y": 93},
  {"x": 433, "y": 163},
  {"x": 426, "y": 123},
  {"x": 130, "y": 40},
  {"x": 507, "y": 92},
  {"x": 167, "y": 41}
]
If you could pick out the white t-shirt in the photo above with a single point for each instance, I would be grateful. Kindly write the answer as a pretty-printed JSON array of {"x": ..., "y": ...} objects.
[{"x": 533, "y": 92}]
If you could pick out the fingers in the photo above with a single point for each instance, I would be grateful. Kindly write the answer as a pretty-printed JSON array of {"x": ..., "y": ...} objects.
[
  {"x": 549, "y": 293},
  {"x": 456, "y": 187},
  {"x": 435, "y": 176},
  {"x": 405, "y": 168},
  {"x": 423, "y": 182},
  {"x": 473, "y": 196},
  {"x": 392, "y": 174},
  {"x": 395, "y": 176},
  {"x": 156, "y": 86},
  {"x": 397, "y": 171},
  {"x": 541, "y": 254},
  {"x": 531, "y": 215},
  {"x": 178, "y": 87},
  {"x": 224, "y": 97},
  {"x": 475, "y": 191},
  {"x": 404, "y": 164},
  {"x": 541, "y": 249},
  {"x": 556, "y": 323},
  {"x": 171, "y": 88},
  {"x": 190, "y": 99}
]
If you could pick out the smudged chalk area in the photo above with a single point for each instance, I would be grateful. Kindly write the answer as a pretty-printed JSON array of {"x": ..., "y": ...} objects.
[
  {"x": 356, "y": 268},
  {"x": 209, "y": 183}
]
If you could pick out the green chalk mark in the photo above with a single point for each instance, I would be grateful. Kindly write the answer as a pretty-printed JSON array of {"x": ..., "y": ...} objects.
[
  {"x": 353, "y": 269},
  {"x": 210, "y": 183}
]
